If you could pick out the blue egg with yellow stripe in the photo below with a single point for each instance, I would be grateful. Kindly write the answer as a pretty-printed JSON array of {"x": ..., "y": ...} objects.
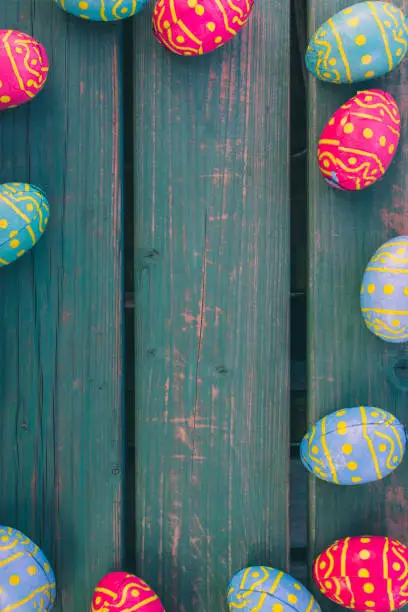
[
  {"x": 384, "y": 291},
  {"x": 102, "y": 10},
  {"x": 24, "y": 214},
  {"x": 354, "y": 446},
  {"x": 269, "y": 590},
  {"x": 27, "y": 582},
  {"x": 362, "y": 42}
]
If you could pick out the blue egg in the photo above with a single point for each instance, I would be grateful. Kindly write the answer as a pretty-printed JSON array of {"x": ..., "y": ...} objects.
[
  {"x": 27, "y": 582},
  {"x": 267, "y": 589},
  {"x": 362, "y": 42},
  {"x": 102, "y": 10},
  {"x": 384, "y": 291},
  {"x": 24, "y": 214},
  {"x": 354, "y": 446}
]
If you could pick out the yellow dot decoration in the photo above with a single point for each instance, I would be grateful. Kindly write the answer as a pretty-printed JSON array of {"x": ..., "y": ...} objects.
[
  {"x": 341, "y": 428},
  {"x": 5, "y": 99},
  {"x": 13, "y": 233},
  {"x": 192, "y": 3},
  {"x": 361, "y": 40},
  {"x": 356, "y": 479},
  {"x": 406, "y": 291},
  {"x": 211, "y": 26},
  {"x": 322, "y": 565},
  {"x": 369, "y": 74},
  {"x": 347, "y": 449},
  {"x": 315, "y": 449},
  {"x": 349, "y": 128},
  {"x": 383, "y": 141},
  {"x": 333, "y": 61},
  {"x": 14, "y": 580},
  {"x": 180, "y": 39},
  {"x": 340, "y": 412},
  {"x": 365, "y": 540},
  {"x": 83, "y": 5},
  {"x": 326, "y": 163},
  {"x": 396, "y": 566},
  {"x": 327, "y": 584},
  {"x": 347, "y": 11},
  {"x": 46, "y": 567},
  {"x": 388, "y": 289},
  {"x": 255, "y": 574},
  {"x": 32, "y": 570},
  {"x": 363, "y": 573},
  {"x": 166, "y": 24},
  {"x": 396, "y": 323},
  {"x": 277, "y": 607},
  {"x": 352, "y": 161},
  {"x": 353, "y": 22},
  {"x": 218, "y": 39},
  {"x": 383, "y": 448},
  {"x": 297, "y": 586},
  {"x": 368, "y": 588},
  {"x": 371, "y": 288},
  {"x": 368, "y": 133},
  {"x": 5, "y": 538},
  {"x": 199, "y": 9},
  {"x": 369, "y": 604},
  {"x": 292, "y": 598},
  {"x": 391, "y": 149},
  {"x": 364, "y": 554},
  {"x": 14, "y": 243},
  {"x": 366, "y": 59},
  {"x": 30, "y": 207},
  {"x": 398, "y": 52},
  {"x": 352, "y": 465}
]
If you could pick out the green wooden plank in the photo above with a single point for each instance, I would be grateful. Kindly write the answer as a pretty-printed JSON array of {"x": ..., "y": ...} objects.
[
  {"x": 61, "y": 308},
  {"x": 212, "y": 303},
  {"x": 348, "y": 365}
]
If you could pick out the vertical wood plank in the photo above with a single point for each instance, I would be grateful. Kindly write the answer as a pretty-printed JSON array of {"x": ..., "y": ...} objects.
[
  {"x": 61, "y": 308},
  {"x": 212, "y": 305},
  {"x": 348, "y": 365}
]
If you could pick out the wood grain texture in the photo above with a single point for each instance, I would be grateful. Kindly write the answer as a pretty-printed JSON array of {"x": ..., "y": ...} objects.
[
  {"x": 61, "y": 308},
  {"x": 349, "y": 366},
  {"x": 212, "y": 302}
]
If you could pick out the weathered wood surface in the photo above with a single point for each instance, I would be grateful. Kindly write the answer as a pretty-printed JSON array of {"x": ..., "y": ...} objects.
[
  {"x": 60, "y": 312},
  {"x": 348, "y": 366},
  {"x": 212, "y": 306}
]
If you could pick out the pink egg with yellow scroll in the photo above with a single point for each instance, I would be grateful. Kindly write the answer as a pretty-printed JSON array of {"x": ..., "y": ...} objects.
[
  {"x": 24, "y": 68},
  {"x": 194, "y": 27}
]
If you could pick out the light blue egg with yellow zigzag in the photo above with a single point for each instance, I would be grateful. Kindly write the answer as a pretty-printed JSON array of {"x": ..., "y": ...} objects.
[
  {"x": 362, "y": 42},
  {"x": 354, "y": 446},
  {"x": 24, "y": 214},
  {"x": 384, "y": 291},
  {"x": 102, "y": 10}
]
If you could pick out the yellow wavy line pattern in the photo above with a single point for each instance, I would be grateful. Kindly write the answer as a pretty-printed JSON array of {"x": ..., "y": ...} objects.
[
  {"x": 327, "y": 453},
  {"x": 331, "y": 564},
  {"x": 390, "y": 455},
  {"x": 341, "y": 49},
  {"x": 369, "y": 442},
  {"x": 389, "y": 255},
  {"x": 323, "y": 57}
]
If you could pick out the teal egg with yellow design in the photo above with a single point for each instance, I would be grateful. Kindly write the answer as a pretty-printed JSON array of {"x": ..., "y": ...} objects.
[
  {"x": 354, "y": 446},
  {"x": 102, "y": 10},
  {"x": 361, "y": 42},
  {"x": 269, "y": 590},
  {"x": 24, "y": 214},
  {"x": 27, "y": 582},
  {"x": 384, "y": 291}
]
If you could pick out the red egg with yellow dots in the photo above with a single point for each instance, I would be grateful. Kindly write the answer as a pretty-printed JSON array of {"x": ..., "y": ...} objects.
[
  {"x": 194, "y": 27},
  {"x": 122, "y": 592},
  {"x": 364, "y": 573},
  {"x": 360, "y": 140}
]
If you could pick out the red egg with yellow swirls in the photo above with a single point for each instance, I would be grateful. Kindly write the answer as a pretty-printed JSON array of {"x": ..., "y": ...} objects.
[
  {"x": 364, "y": 573},
  {"x": 360, "y": 140},
  {"x": 194, "y": 27},
  {"x": 121, "y": 592}
]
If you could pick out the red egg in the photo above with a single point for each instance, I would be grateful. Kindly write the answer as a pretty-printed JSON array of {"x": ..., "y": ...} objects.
[
  {"x": 121, "y": 592},
  {"x": 360, "y": 140},
  {"x": 194, "y": 27},
  {"x": 364, "y": 573}
]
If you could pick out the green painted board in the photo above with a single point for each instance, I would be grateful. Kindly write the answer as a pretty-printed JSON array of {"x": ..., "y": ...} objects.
[
  {"x": 212, "y": 269},
  {"x": 61, "y": 308},
  {"x": 349, "y": 366}
]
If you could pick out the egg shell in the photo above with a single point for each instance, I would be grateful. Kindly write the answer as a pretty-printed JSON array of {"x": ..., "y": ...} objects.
[
  {"x": 361, "y": 42},
  {"x": 194, "y": 27},
  {"x": 24, "y": 68},
  {"x": 364, "y": 573},
  {"x": 354, "y": 446},
  {"x": 384, "y": 291},
  {"x": 102, "y": 10},
  {"x": 24, "y": 214},
  {"x": 27, "y": 581},
  {"x": 265, "y": 589},
  {"x": 359, "y": 141},
  {"x": 122, "y": 592}
]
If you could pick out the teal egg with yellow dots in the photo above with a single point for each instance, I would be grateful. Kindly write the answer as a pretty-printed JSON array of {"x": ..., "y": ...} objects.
[
  {"x": 268, "y": 590},
  {"x": 102, "y": 10},
  {"x": 354, "y": 446},
  {"x": 384, "y": 291},
  {"x": 24, "y": 214},
  {"x": 361, "y": 42}
]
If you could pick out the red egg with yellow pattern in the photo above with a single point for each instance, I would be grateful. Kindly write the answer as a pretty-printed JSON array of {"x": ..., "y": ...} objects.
[
  {"x": 194, "y": 27},
  {"x": 121, "y": 592},
  {"x": 364, "y": 573},
  {"x": 360, "y": 140}
]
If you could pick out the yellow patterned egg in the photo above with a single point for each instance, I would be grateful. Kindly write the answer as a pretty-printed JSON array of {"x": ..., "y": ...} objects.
[
  {"x": 354, "y": 446},
  {"x": 102, "y": 10},
  {"x": 24, "y": 214},
  {"x": 361, "y": 42},
  {"x": 384, "y": 291}
]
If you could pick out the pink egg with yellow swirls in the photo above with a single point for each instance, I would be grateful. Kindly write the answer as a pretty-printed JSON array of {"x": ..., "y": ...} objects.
[
  {"x": 121, "y": 592},
  {"x": 194, "y": 27},
  {"x": 23, "y": 68}
]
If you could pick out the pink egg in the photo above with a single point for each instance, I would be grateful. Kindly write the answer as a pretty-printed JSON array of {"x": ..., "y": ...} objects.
[
  {"x": 121, "y": 592},
  {"x": 194, "y": 27}
]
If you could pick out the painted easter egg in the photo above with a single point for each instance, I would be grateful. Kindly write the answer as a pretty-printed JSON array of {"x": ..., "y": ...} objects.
[
  {"x": 23, "y": 68},
  {"x": 101, "y": 10},
  {"x": 194, "y": 27},
  {"x": 361, "y": 42},
  {"x": 265, "y": 589},
  {"x": 364, "y": 573},
  {"x": 121, "y": 592},
  {"x": 354, "y": 446},
  {"x": 24, "y": 214},
  {"x": 359, "y": 141},
  {"x": 27, "y": 581},
  {"x": 384, "y": 291}
]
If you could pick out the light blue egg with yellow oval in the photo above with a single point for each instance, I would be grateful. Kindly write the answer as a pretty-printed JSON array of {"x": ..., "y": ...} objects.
[
  {"x": 354, "y": 446},
  {"x": 267, "y": 589},
  {"x": 384, "y": 291},
  {"x": 24, "y": 214},
  {"x": 361, "y": 42},
  {"x": 102, "y": 10},
  {"x": 27, "y": 582}
]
